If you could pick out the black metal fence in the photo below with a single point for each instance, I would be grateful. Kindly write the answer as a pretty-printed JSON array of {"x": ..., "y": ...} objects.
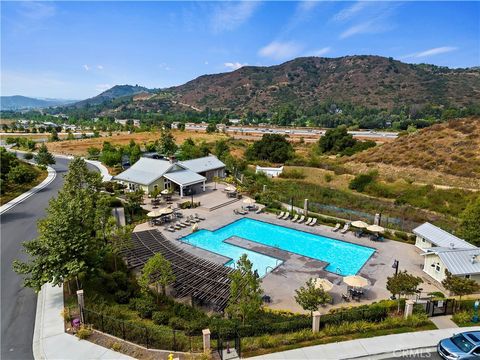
[
  {"x": 151, "y": 337},
  {"x": 370, "y": 315}
]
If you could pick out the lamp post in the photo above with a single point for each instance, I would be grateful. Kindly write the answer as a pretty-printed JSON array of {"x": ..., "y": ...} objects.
[
  {"x": 395, "y": 266},
  {"x": 191, "y": 204},
  {"x": 475, "y": 312}
]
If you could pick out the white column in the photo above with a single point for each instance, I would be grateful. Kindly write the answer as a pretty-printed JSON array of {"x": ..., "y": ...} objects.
[
  {"x": 203, "y": 187},
  {"x": 316, "y": 321},
  {"x": 409, "y": 308},
  {"x": 81, "y": 304},
  {"x": 181, "y": 191},
  {"x": 206, "y": 340}
]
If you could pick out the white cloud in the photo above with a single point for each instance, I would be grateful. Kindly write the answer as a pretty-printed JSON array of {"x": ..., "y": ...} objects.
[
  {"x": 431, "y": 52},
  {"x": 36, "y": 10},
  {"x": 280, "y": 50},
  {"x": 206, "y": 62},
  {"x": 306, "y": 6},
  {"x": 234, "y": 65},
  {"x": 102, "y": 87},
  {"x": 164, "y": 66},
  {"x": 349, "y": 12},
  {"x": 321, "y": 52},
  {"x": 100, "y": 67},
  {"x": 229, "y": 16},
  {"x": 86, "y": 67},
  {"x": 362, "y": 28}
]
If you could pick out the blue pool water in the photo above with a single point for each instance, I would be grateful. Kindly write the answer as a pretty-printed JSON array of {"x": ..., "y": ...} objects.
[{"x": 344, "y": 258}]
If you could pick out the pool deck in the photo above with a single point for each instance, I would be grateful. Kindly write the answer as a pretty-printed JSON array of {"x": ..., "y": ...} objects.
[{"x": 281, "y": 283}]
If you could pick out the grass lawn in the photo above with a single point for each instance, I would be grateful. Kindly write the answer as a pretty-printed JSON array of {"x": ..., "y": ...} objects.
[{"x": 12, "y": 191}]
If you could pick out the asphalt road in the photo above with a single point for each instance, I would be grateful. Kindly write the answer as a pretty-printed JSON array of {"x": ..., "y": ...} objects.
[{"x": 18, "y": 304}]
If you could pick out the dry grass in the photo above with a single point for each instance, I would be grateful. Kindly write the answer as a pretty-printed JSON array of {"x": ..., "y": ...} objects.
[
  {"x": 79, "y": 147},
  {"x": 319, "y": 177}
]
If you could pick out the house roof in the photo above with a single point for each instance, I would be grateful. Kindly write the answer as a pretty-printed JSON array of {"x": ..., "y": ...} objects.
[
  {"x": 460, "y": 261},
  {"x": 184, "y": 177},
  {"x": 145, "y": 171},
  {"x": 203, "y": 164},
  {"x": 440, "y": 237}
]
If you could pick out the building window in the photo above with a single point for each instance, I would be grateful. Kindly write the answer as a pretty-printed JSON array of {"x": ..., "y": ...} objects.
[{"x": 437, "y": 267}]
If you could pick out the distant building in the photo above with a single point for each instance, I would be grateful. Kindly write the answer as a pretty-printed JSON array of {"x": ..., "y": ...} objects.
[
  {"x": 135, "y": 122},
  {"x": 444, "y": 251},
  {"x": 234, "y": 121},
  {"x": 183, "y": 176},
  {"x": 269, "y": 171}
]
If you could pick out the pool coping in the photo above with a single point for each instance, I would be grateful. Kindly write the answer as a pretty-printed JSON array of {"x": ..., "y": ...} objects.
[{"x": 270, "y": 223}]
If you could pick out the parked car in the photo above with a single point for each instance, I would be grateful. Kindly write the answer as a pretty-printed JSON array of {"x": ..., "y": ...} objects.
[{"x": 461, "y": 346}]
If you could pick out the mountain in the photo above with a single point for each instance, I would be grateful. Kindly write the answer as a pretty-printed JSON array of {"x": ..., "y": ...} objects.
[
  {"x": 371, "y": 81},
  {"x": 18, "y": 102},
  {"x": 451, "y": 147},
  {"x": 116, "y": 92}
]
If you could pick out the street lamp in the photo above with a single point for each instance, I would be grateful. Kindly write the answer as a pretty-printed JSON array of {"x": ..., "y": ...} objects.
[{"x": 395, "y": 266}]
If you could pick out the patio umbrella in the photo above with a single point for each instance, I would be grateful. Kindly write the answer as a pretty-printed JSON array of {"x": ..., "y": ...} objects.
[
  {"x": 375, "y": 228},
  {"x": 153, "y": 214},
  {"x": 165, "y": 192},
  {"x": 249, "y": 201},
  {"x": 355, "y": 281},
  {"x": 230, "y": 188},
  {"x": 324, "y": 283},
  {"x": 194, "y": 227},
  {"x": 164, "y": 211},
  {"x": 359, "y": 224}
]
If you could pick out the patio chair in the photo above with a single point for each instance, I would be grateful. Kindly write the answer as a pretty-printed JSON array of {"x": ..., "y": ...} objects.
[
  {"x": 336, "y": 228},
  {"x": 309, "y": 220},
  {"x": 301, "y": 220},
  {"x": 260, "y": 210},
  {"x": 243, "y": 212},
  {"x": 177, "y": 226},
  {"x": 286, "y": 216},
  {"x": 192, "y": 219},
  {"x": 280, "y": 216},
  {"x": 345, "y": 228},
  {"x": 295, "y": 218},
  {"x": 235, "y": 211},
  {"x": 171, "y": 228},
  {"x": 181, "y": 224},
  {"x": 313, "y": 222},
  {"x": 199, "y": 217},
  {"x": 345, "y": 298}
]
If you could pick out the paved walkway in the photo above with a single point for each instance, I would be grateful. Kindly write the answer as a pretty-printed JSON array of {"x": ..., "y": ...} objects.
[
  {"x": 380, "y": 347},
  {"x": 50, "y": 340},
  {"x": 444, "y": 322}
]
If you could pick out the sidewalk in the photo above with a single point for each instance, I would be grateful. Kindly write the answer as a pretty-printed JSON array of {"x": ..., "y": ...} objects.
[
  {"x": 380, "y": 347},
  {"x": 49, "y": 339}
]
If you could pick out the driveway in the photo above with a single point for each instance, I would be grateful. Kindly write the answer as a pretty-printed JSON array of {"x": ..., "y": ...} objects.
[{"x": 18, "y": 304}]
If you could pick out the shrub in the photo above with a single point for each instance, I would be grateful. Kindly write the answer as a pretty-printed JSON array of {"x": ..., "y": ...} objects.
[
  {"x": 145, "y": 306},
  {"x": 122, "y": 296},
  {"x": 328, "y": 177},
  {"x": 84, "y": 332},
  {"x": 161, "y": 317},
  {"x": 28, "y": 156},
  {"x": 437, "y": 294},
  {"x": 293, "y": 174},
  {"x": 66, "y": 314},
  {"x": 116, "y": 346},
  {"x": 21, "y": 174},
  {"x": 462, "y": 317},
  {"x": 177, "y": 323},
  {"x": 361, "y": 181}
]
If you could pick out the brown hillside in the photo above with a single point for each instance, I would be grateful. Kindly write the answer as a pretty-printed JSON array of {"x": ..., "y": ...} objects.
[
  {"x": 372, "y": 81},
  {"x": 451, "y": 148}
]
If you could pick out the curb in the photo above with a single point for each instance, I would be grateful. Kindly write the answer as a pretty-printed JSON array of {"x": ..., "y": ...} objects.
[
  {"x": 400, "y": 353},
  {"x": 52, "y": 174},
  {"x": 37, "y": 344}
]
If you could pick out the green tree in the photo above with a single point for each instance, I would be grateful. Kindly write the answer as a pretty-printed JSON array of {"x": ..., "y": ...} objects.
[
  {"x": 167, "y": 145},
  {"x": 272, "y": 147},
  {"x": 221, "y": 149},
  {"x": 54, "y": 135},
  {"x": 157, "y": 271},
  {"x": 459, "y": 286},
  {"x": 44, "y": 157},
  {"x": 245, "y": 291},
  {"x": 211, "y": 128},
  {"x": 70, "y": 136},
  {"x": 310, "y": 297},
  {"x": 336, "y": 140},
  {"x": 403, "y": 284},
  {"x": 66, "y": 246},
  {"x": 470, "y": 222},
  {"x": 119, "y": 239},
  {"x": 103, "y": 216},
  {"x": 134, "y": 200},
  {"x": 181, "y": 126}
]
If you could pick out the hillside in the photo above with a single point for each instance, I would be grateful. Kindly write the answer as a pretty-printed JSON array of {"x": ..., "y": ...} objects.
[
  {"x": 451, "y": 148},
  {"x": 18, "y": 102},
  {"x": 118, "y": 91},
  {"x": 371, "y": 81}
]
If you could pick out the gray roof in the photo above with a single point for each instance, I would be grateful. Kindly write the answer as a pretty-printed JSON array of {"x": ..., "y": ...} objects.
[
  {"x": 203, "y": 164},
  {"x": 440, "y": 237},
  {"x": 145, "y": 171},
  {"x": 184, "y": 177},
  {"x": 459, "y": 262}
]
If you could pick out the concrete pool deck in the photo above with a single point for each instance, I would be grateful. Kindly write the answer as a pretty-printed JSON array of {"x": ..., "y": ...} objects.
[{"x": 281, "y": 283}]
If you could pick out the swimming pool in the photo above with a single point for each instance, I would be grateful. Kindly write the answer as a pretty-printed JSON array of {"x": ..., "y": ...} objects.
[{"x": 344, "y": 258}]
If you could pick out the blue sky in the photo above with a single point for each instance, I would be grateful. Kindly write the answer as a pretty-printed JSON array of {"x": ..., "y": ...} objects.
[{"x": 78, "y": 49}]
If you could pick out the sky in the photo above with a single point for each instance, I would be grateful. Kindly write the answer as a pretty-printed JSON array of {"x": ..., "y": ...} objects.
[{"x": 75, "y": 50}]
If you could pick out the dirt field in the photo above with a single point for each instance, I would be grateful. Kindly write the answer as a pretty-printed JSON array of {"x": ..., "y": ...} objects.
[{"x": 79, "y": 147}]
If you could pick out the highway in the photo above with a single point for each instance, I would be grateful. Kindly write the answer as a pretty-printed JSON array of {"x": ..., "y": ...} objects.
[{"x": 18, "y": 304}]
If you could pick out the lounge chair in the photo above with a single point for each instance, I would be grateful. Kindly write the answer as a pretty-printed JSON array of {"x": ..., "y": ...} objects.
[
  {"x": 180, "y": 224},
  {"x": 192, "y": 219},
  {"x": 177, "y": 227},
  {"x": 235, "y": 211},
  {"x": 243, "y": 212},
  {"x": 313, "y": 222},
  {"x": 199, "y": 217},
  {"x": 295, "y": 218},
  {"x": 336, "y": 228},
  {"x": 184, "y": 223},
  {"x": 301, "y": 220},
  {"x": 280, "y": 216},
  {"x": 309, "y": 221},
  {"x": 345, "y": 228},
  {"x": 171, "y": 228},
  {"x": 286, "y": 216},
  {"x": 259, "y": 211}
]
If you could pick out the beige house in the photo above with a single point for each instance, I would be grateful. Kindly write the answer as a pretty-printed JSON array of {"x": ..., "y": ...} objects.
[
  {"x": 444, "y": 251},
  {"x": 184, "y": 177}
]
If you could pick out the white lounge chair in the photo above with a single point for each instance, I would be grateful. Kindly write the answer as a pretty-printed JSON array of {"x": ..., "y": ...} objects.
[
  {"x": 313, "y": 222},
  {"x": 336, "y": 228},
  {"x": 280, "y": 216},
  {"x": 301, "y": 220},
  {"x": 309, "y": 220},
  {"x": 199, "y": 217},
  {"x": 286, "y": 216},
  {"x": 345, "y": 228},
  {"x": 295, "y": 218}
]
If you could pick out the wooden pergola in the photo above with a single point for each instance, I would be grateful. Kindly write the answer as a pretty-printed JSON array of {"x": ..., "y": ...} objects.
[{"x": 198, "y": 278}]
